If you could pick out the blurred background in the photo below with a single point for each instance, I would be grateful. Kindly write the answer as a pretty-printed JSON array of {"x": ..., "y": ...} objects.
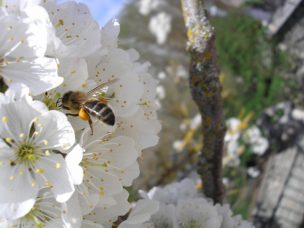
[{"x": 260, "y": 47}]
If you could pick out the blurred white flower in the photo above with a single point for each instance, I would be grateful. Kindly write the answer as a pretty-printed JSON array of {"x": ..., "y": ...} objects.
[
  {"x": 172, "y": 193},
  {"x": 165, "y": 216},
  {"x": 180, "y": 205},
  {"x": 161, "y": 92},
  {"x": 197, "y": 212},
  {"x": 161, "y": 75},
  {"x": 260, "y": 146},
  {"x": 140, "y": 214},
  {"x": 230, "y": 221},
  {"x": 253, "y": 136},
  {"x": 178, "y": 145},
  {"x": 253, "y": 172},
  {"x": 146, "y": 6},
  {"x": 196, "y": 122},
  {"x": 298, "y": 114},
  {"x": 182, "y": 72},
  {"x": 160, "y": 27},
  {"x": 31, "y": 141},
  {"x": 233, "y": 129}
]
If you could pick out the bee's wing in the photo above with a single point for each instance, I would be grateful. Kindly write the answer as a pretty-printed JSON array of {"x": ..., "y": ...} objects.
[{"x": 101, "y": 88}]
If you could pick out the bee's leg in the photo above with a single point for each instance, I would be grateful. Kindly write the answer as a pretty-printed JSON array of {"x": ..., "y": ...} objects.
[
  {"x": 91, "y": 126},
  {"x": 71, "y": 114}
]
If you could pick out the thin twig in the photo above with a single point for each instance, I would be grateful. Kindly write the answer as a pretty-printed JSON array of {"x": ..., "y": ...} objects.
[{"x": 206, "y": 92}]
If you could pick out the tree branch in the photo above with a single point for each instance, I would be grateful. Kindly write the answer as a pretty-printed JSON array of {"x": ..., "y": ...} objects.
[{"x": 206, "y": 92}]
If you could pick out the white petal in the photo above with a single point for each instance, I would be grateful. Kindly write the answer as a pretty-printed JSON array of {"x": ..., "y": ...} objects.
[
  {"x": 72, "y": 215},
  {"x": 55, "y": 131},
  {"x": 87, "y": 200},
  {"x": 40, "y": 75},
  {"x": 16, "y": 210},
  {"x": 105, "y": 184},
  {"x": 78, "y": 31},
  {"x": 75, "y": 73},
  {"x": 142, "y": 212},
  {"x": 109, "y": 34},
  {"x": 19, "y": 115},
  {"x": 16, "y": 91},
  {"x": 6, "y": 152},
  {"x": 107, "y": 214},
  {"x": 120, "y": 152},
  {"x": 73, "y": 159},
  {"x": 18, "y": 191},
  {"x": 20, "y": 38},
  {"x": 57, "y": 176},
  {"x": 89, "y": 224},
  {"x": 128, "y": 175},
  {"x": 143, "y": 131}
]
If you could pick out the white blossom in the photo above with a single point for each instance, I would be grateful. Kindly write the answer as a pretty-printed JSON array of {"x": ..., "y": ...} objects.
[
  {"x": 23, "y": 46},
  {"x": 31, "y": 139},
  {"x": 146, "y": 6},
  {"x": 76, "y": 34},
  {"x": 140, "y": 214},
  {"x": 46, "y": 212},
  {"x": 160, "y": 27},
  {"x": 181, "y": 206},
  {"x": 46, "y": 151}
]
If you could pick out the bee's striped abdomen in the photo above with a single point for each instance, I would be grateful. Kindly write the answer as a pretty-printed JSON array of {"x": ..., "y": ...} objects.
[{"x": 100, "y": 110}]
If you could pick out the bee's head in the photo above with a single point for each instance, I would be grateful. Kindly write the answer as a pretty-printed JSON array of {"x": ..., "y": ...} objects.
[{"x": 63, "y": 102}]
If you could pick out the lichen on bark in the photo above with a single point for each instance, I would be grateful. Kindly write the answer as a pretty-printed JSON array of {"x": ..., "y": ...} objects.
[{"x": 206, "y": 92}]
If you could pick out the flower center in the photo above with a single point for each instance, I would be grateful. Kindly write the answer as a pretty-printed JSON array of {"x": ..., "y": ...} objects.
[
  {"x": 26, "y": 153},
  {"x": 50, "y": 100},
  {"x": 36, "y": 216}
]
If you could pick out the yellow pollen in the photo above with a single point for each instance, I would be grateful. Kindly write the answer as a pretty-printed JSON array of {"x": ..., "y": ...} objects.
[
  {"x": 58, "y": 165},
  {"x": 8, "y": 140},
  {"x": 47, "y": 153},
  {"x": 34, "y": 184},
  {"x": 40, "y": 171},
  {"x": 12, "y": 178},
  {"x": 35, "y": 119},
  {"x": 21, "y": 135},
  {"x": 60, "y": 23},
  {"x": 48, "y": 184},
  {"x": 45, "y": 142},
  {"x": 66, "y": 146},
  {"x": 31, "y": 157},
  {"x": 4, "y": 119}
]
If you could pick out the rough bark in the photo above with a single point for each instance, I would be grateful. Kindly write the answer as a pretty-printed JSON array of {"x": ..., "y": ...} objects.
[{"x": 206, "y": 92}]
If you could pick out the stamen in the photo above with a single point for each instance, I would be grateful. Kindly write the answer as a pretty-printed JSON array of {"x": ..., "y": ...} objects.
[{"x": 4, "y": 119}]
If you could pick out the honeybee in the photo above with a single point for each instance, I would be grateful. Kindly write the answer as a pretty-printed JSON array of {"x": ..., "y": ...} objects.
[{"x": 87, "y": 105}]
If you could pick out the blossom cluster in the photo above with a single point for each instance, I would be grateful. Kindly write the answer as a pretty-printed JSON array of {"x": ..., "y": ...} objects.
[
  {"x": 239, "y": 136},
  {"x": 180, "y": 205},
  {"x": 56, "y": 170},
  {"x": 160, "y": 23}
]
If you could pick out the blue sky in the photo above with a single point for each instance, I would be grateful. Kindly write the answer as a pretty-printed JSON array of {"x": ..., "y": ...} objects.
[{"x": 104, "y": 10}]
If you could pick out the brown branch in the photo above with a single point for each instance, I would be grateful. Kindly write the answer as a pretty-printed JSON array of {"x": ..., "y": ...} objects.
[{"x": 206, "y": 92}]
